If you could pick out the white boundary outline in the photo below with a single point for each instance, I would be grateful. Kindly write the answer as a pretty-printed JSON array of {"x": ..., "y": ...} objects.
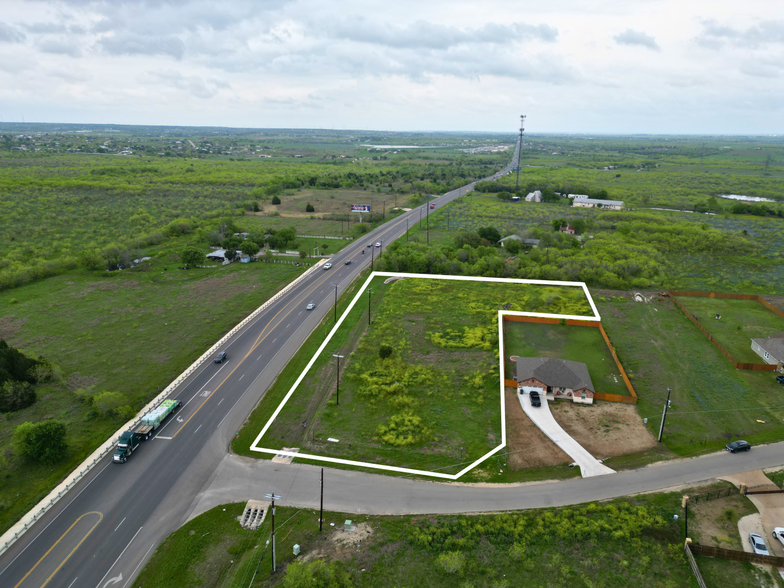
[{"x": 501, "y": 313}]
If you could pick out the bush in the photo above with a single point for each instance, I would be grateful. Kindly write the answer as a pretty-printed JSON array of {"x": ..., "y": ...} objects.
[
  {"x": 15, "y": 365},
  {"x": 16, "y": 396},
  {"x": 451, "y": 562},
  {"x": 275, "y": 200},
  {"x": 309, "y": 208},
  {"x": 385, "y": 351},
  {"x": 108, "y": 403},
  {"x": 316, "y": 574},
  {"x": 125, "y": 412},
  {"x": 42, "y": 442},
  {"x": 192, "y": 256},
  {"x": 403, "y": 430}
]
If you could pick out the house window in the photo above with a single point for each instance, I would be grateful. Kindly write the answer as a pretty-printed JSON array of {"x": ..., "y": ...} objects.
[{"x": 767, "y": 355}]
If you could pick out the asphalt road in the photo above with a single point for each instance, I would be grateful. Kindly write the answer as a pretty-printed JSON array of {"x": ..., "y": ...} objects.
[{"x": 104, "y": 529}]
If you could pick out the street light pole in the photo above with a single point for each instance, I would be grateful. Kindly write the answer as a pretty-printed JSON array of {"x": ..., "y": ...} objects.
[
  {"x": 337, "y": 388},
  {"x": 273, "y": 497},
  {"x": 369, "y": 293},
  {"x": 321, "y": 508}
]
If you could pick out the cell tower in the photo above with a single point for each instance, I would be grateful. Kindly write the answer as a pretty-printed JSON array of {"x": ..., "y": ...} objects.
[{"x": 519, "y": 152}]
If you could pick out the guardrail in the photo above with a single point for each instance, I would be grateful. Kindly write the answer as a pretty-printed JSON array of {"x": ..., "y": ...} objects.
[
  {"x": 323, "y": 237},
  {"x": 29, "y": 519}
]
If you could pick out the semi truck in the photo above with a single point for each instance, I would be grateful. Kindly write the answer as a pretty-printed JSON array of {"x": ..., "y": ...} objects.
[{"x": 131, "y": 439}]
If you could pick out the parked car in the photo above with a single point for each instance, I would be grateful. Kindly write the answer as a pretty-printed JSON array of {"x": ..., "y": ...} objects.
[
  {"x": 758, "y": 544},
  {"x": 778, "y": 533},
  {"x": 780, "y": 380},
  {"x": 348, "y": 262},
  {"x": 310, "y": 306},
  {"x": 221, "y": 357},
  {"x": 535, "y": 399},
  {"x": 736, "y": 446},
  {"x": 327, "y": 266}
]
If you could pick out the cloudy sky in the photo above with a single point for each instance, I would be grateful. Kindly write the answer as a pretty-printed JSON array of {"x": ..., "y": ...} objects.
[{"x": 611, "y": 66}]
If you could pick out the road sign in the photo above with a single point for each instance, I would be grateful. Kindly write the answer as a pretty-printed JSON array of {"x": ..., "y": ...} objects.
[{"x": 360, "y": 208}]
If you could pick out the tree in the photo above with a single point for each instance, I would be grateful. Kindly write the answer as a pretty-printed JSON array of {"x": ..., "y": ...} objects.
[
  {"x": 309, "y": 208},
  {"x": 385, "y": 351},
  {"x": 231, "y": 254},
  {"x": 107, "y": 403},
  {"x": 467, "y": 238},
  {"x": 558, "y": 223},
  {"x": 275, "y": 200},
  {"x": 578, "y": 224},
  {"x": 16, "y": 396},
  {"x": 249, "y": 247},
  {"x": 316, "y": 574},
  {"x": 90, "y": 260},
  {"x": 513, "y": 246},
  {"x": 268, "y": 254},
  {"x": 43, "y": 442},
  {"x": 490, "y": 233},
  {"x": 192, "y": 256},
  {"x": 15, "y": 365},
  {"x": 303, "y": 254}
]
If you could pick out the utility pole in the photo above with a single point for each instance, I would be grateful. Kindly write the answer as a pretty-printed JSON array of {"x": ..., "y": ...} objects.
[
  {"x": 372, "y": 258},
  {"x": 664, "y": 415},
  {"x": 273, "y": 497},
  {"x": 321, "y": 508},
  {"x": 336, "y": 304},
  {"x": 519, "y": 151},
  {"x": 370, "y": 291},
  {"x": 427, "y": 223},
  {"x": 384, "y": 210},
  {"x": 337, "y": 389},
  {"x": 685, "y": 504},
  {"x": 406, "y": 228}
]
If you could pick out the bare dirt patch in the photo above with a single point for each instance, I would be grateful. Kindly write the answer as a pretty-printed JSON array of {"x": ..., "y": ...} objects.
[
  {"x": 77, "y": 380},
  {"x": 714, "y": 522},
  {"x": 527, "y": 446},
  {"x": 605, "y": 429},
  {"x": 216, "y": 289},
  {"x": 10, "y": 325},
  {"x": 342, "y": 543}
]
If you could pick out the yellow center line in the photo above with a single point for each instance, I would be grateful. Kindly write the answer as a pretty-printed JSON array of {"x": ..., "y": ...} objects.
[
  {"x": 262, "y": 336},
  {"x": 100, "y": 518}
]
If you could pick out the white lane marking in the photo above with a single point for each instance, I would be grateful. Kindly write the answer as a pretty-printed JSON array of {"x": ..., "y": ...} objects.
[
  {"x": 114, "y": 580},
  {"x": 258, "y": 358},
  {"x": 118, "y": 558},
  {"x": 121, "y": 522},
  {"x": 74, "y": 582},
  {"x": 242, "y": 376},
  {"x": 55, "y": 518},
  {"x": 205, "y": 394},
  {"x": 221, "y": 400},
  {"x": 167, "y": 438},
  {"x": 137, "y": 566},
  {"x": 275, "y": 339},
  {"x": 197, "y": 429}
]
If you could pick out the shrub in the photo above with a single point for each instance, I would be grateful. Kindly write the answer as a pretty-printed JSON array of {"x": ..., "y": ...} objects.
[
  {"x": 316, "y": 574},
  {"x": 385, "y": 351},
  {"x": 192, "y": 256},
  {"x": 15, "y": 365},
  {"x": 16, "y": 396},
  {"x": 402, "y": 430},
  {"x": 275, "y": 200},
  {"x": 108, "y": 403},
  {"x": 451, "y": 562},
  {"x": 309, "y": 208},
  {"x": 42, "y": 442},
  {"x": 125, "y": 412}
]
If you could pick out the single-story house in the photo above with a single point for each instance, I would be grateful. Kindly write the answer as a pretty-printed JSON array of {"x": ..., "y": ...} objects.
[
  {"x": 535, "y": 196},
  {"x": 556, "y": 378},
  {"x": 771, "y": 350},
  {"x": 244, "y": 258},
  {"x": 531, "y": 243},
  {"x": 598, "y": 203},
  {"x": 217, "y": 255},
  {"x": 568, "y": 229},
  {"x": 512, "y": 237}
]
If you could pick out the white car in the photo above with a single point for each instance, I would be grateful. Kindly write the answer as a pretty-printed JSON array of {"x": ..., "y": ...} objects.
[
  {"x": 310, "y": 306},
  {"x": 327, "y": 266},
  {"x": 778, "y": 533},
  {"x": 758, "y": 544},
  {"x": 378, "y": 244}
]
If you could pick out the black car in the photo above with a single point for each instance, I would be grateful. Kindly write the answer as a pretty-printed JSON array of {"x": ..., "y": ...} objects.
[
  {"x": 736, "y": 446},
  {"x": 221, "y": 357},
  {"x": 535, "y": 400},
  {"x": 348, "y": 262},
  {"x": 780, "y": 380}
]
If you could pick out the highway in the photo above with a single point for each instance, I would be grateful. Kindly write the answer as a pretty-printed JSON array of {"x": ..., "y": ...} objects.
[{"x": 101, "y": 532}]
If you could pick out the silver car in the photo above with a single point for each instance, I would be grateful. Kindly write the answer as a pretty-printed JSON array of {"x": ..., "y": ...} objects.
[
  {"x": 758, "y": 544},
  {"x": 778, "y": 533}
]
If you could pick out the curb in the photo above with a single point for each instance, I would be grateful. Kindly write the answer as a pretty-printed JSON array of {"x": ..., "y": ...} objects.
[{"x": 28, "y": 520}]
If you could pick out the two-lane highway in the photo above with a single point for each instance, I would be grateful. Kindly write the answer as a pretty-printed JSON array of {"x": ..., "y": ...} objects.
[{"x": 104, "y": 529}]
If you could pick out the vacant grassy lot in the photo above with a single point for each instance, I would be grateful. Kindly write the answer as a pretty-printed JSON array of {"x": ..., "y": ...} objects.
[
  {"x": 433, "y": 402},
  {"x": 129, "y": 332},
  {"x": 741, "y": 321},
  {"x": 632, "y": 542},
  {"x": 583, "y": 344},
  {"x": 712, "y": 402}
]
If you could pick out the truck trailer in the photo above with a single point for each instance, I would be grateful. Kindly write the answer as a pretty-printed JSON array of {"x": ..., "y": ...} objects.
[{"x": 131, "y": 439}]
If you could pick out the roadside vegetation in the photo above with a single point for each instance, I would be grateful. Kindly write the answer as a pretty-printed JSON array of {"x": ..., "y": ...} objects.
[{"x": 627, "y": 542}]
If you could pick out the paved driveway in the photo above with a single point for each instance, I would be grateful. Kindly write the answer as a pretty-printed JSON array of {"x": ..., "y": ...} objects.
[{"x": 543, "y": 418}]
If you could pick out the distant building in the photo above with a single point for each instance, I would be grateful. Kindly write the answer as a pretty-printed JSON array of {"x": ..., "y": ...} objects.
[
  {"x": 512, "y": 237},
  {"x": 535, "y": 196},
  {"x": 568, "y": 229},
  {"x": 771, "y": 350},
  {"x": 597, "y": 203},
  {"x": 531, "y": 243},
  {"x": 217, "y": 255}
]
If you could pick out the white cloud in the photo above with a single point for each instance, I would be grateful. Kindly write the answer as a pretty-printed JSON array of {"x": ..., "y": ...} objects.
[
  {"x": 9, "y": 34},
  {"x": 631, "y": 37}
]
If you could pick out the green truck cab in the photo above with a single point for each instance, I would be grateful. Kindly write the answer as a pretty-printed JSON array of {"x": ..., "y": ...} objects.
[{"x": 125, "y": 447}]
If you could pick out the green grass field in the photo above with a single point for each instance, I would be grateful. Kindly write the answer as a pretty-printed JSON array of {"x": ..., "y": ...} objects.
[
  {"x": 130, "y": 332},
  {"x": 442, "y": 373},
  {"x": 632, "y": 542},
  {"x": 712, "y": 402},
  {"x": 741, "y": 321},
  {"x": 583, "y": 344}
]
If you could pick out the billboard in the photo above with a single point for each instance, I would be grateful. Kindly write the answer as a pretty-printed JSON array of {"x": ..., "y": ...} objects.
[{"x": 360, "y": 208}]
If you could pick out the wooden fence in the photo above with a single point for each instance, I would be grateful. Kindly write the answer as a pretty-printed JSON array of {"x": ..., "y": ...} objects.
[
  {"x": 693, "y": 565},
  {"x": 734, "y": 555},
  {"x": 632, "y": 399},
  {"x": 764, "y": 489},
  {"x": 759, "y": 367},
  {"x": 714, "y": 495}
]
